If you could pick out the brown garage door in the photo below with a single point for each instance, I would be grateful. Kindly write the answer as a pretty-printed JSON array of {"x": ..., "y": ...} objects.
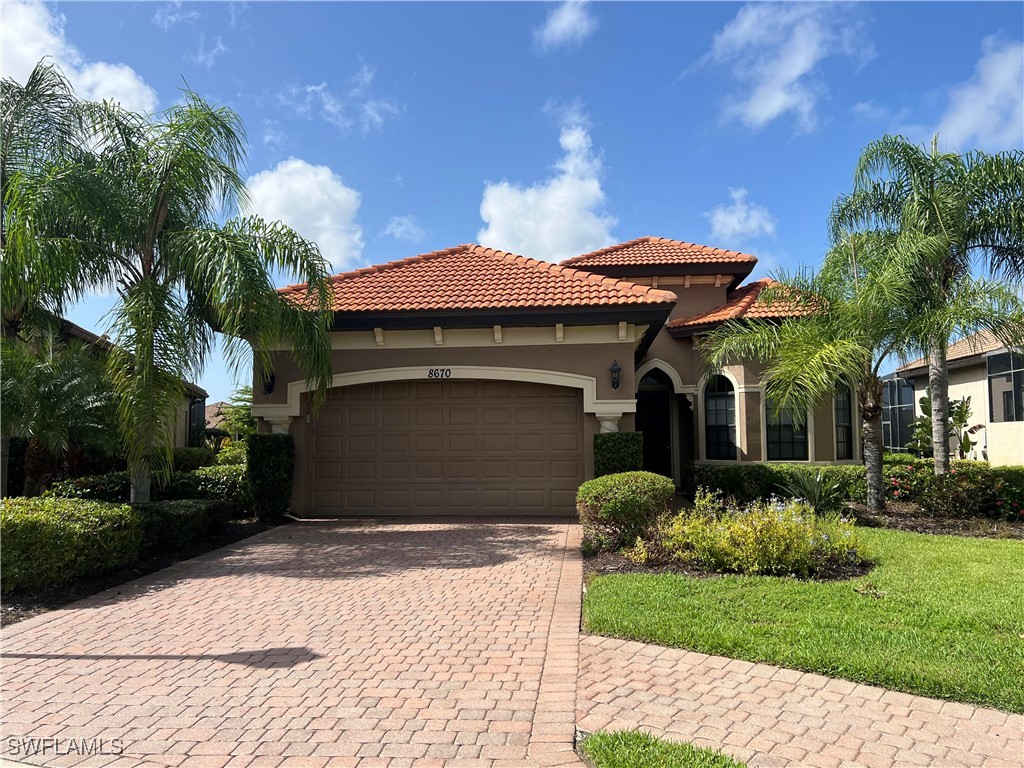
[{"x": 447, "y": 447}]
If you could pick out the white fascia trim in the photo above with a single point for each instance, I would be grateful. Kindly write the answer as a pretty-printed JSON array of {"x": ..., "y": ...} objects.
[{"x": 587, "y": 384}]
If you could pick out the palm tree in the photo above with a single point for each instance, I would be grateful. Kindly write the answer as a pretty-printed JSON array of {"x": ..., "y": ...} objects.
[
  {"x": 857, "y": 312},
  {"x": 154, "y": 203},
  {"x": 55, "y": 394},
  {"x": 973, "y": 201}
]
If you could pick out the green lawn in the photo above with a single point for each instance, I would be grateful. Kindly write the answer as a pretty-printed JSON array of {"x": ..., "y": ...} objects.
[
  {"x": 941, "y": 616},
  {"x": 632, "y": 749}
]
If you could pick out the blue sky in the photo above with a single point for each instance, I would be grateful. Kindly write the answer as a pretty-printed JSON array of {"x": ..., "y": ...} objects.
[{"x": 382, "y": 130}]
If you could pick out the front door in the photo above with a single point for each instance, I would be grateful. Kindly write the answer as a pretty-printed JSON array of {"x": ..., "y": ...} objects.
[{"x": 654, "y": 419}]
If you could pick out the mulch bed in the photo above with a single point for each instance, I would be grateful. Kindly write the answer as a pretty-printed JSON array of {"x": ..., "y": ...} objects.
[
  {"x": 24, "y": 605},
  {"x": 899, "y": 516},
  {"x": 908, "y": 517},
  {"x": 605, "y": 563}
]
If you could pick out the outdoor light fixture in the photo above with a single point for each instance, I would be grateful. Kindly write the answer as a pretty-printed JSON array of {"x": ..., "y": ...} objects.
[
  {"x": 268, "y": 384},
  {"x": 615, "y": 370}
]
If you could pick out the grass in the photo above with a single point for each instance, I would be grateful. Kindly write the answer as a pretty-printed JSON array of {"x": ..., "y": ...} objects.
[
  {"x": 941, "y": 616},
  {"x": 633, "y": 749}
]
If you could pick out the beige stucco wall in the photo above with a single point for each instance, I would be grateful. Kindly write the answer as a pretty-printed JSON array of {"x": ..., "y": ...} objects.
[{"x": 1000, "y": 443}]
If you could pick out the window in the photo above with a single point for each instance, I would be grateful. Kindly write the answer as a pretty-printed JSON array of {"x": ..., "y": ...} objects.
[
  {"x": 787, "y": 440},
  {"x": 196, "y": 421},
  {"x": 844, "y": 423},
  {"x": 897, "y": 414},
  {"x": 1006, "y": 386},
  {"x": 720, "y": 419}
]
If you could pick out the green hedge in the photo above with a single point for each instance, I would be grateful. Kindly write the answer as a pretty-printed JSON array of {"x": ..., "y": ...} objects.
[
  {"x": 616, "y": 452},
  {"x": 45, "y": 541},
  {"x": 228, "y": 483},
  {"x": 234, "y": 452},
  {"x": 616, "y": 509},
  {"x": 190, "y": 459},
  {"x": 972, "y": 487},
  {"x": 224, "y": 483},
  {"x": 271, "y": 462},
  {"x": 169, "y": 525}
]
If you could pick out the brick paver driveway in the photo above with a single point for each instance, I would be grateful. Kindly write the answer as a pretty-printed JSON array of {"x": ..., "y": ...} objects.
[{"x": 446, "y": 643}]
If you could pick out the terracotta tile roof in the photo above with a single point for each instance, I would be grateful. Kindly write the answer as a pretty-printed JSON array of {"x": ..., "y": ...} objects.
[
  {"x": 469, "y": 277},
  {"x": 648, "y": 251},
  {"x": 742, "y": 303},
  {"x": 976, "y": 344}
]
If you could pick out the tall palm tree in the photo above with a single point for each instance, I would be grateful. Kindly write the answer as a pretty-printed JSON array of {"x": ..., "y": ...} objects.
[
  {"x": 973, "y": 201},
  {"x": 155, "y": 205},
  {"x": 858, "y": 311},
  {"x": 55, "y": 394}
]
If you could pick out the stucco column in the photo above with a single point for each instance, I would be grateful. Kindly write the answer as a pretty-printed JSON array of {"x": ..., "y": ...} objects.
[
  {"x": 609, "y": 420},
  {"x": 279, "y": 425}
]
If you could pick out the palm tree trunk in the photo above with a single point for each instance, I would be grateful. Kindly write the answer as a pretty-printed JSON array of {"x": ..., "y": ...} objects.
[
  {"x": 938, "y": 391},
  {"x": 38, "y": 463},
  {"x": 870, "y": 398},
  {"x": 141, "y": 478}
]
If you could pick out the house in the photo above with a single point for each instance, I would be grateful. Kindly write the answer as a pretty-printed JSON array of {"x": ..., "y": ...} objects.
[
  {"x": 470, "y": 380},
  {"x": 983, "y": 369},
  {"x": 190, "y": 423}
]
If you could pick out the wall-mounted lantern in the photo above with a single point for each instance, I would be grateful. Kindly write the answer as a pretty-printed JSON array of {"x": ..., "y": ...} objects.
[
  {"x": 268, "y": 383},
  {"x": 615, "y": 370}
]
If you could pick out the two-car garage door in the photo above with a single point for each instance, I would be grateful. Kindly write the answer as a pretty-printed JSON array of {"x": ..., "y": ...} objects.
[{"x": 442, "y": 447}]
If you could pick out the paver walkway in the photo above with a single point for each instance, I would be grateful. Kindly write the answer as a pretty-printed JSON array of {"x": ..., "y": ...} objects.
[
  {"x": 315, "y": 644},
  {"x": 779, "y": 717}
]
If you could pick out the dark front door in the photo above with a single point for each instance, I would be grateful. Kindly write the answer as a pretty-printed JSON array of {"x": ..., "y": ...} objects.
[{"x": 653, "y": 409}]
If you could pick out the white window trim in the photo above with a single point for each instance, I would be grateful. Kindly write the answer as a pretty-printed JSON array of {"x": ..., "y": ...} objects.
[{"x": 741, "y": 413}]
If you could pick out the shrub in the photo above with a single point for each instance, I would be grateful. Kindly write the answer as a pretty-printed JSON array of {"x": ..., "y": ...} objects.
[
  {"x": 618, "y": 508},
  {"x": 234, "y": 452},
  {"x": 1008, "y": 492},
  {"x": 114, "y": 487},
  {"x": 47, "y": 541},
  {"x": 747, "y": 482},
  {"x": 226, "y": 483},
  {"x": 768, "y": 537},
  {"x": 821, "y": 492},
  {"x": 190, "y": 459},
  {"x": 168, "y": 525},
  {"x": 616, "y": 452},
  {"x": 271, "y": 470}
]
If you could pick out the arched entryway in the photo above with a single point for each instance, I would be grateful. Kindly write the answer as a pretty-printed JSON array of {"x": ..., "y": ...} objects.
[{"x": 666, "y": 420}]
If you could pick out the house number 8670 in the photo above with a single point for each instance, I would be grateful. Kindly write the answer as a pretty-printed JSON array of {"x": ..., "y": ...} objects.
[{"x": 439, "y": 373}]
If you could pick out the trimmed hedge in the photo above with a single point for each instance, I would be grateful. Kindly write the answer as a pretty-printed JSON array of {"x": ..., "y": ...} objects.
[
  {"x": 972, "y": 487},
  {"x": 223, "y": 483},
  {"x": 229, "y": 483},
  {"x": 190, "y": 459},
  {"x": 616, "y": 509},
  {"x": 616, "y": 452},
  {"x": 271, "y": 474},
  {"x": 168, "y": 525},
  {"x": 45, "y": 541}
]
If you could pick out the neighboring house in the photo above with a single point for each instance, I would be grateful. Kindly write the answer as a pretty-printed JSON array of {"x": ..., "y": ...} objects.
[
  {"x": 473, "y": 381},
  {"x": 980, "y": 368},
  {"x": 191, "y": 420},
  {"x": 214, "y": 417}
]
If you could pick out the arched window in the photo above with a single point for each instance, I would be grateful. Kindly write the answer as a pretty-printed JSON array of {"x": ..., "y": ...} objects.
[
  {"x": 720, "y": 418},
  {"x": 787, "y": 437},
  {"x": 844, "y": 422}
]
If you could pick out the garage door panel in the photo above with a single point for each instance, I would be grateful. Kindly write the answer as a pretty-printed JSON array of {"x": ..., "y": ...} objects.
[{"x": 444, "y": 447}]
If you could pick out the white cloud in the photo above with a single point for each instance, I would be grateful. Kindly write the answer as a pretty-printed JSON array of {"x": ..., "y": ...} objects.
[
  {"x": 358, "y": 105},
  {"x": 569, "y": 24},
  {"x": 562, "y": 216},
  {"x": 405, "y": 228},
  {"x": 273, "y": 136},
  {"x": 314, "y": 201},
  {"x": 775, "y": 50},
  {"x": 208, "y": 57},
  {"x": 987, "y": 110},
  {"x": 740, "y": 220},
  {"x": 870, "y": 111},
  {"x": 171, "y": 14},
  {"x": 30, "y": 31}
]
